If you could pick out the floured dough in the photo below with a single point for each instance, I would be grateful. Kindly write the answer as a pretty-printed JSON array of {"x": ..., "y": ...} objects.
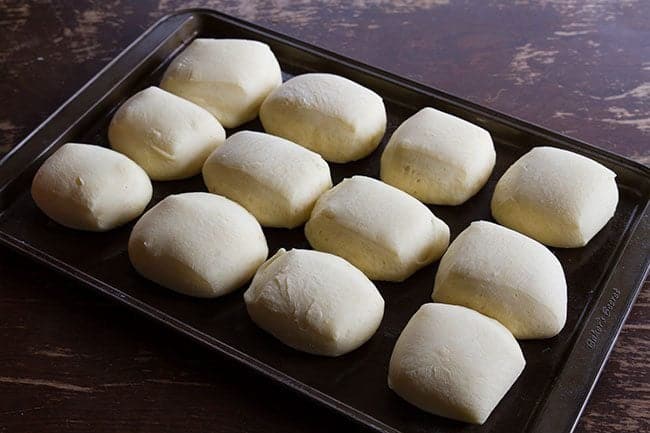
[
  {"x": 88, "y": 187},
  {"x": 314, "y": 302},
  {"x": 558, "y": 197},
  {"x": 381, "y": 230},
  {"x": 507, "y": 276},
  {"x": 197, "y": 243},
  {"x": 331, "y": 115},
  {"x": 166, "y": 135},
  {"x": 454, "y": 362},
  {"x": 438, "y": 158},
  {"x": 228, "y": 77},
  {"x": 275, "y": 179}
]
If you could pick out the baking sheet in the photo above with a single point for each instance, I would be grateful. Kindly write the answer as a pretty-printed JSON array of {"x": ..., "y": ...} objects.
[{"x": 603, "y": 278}]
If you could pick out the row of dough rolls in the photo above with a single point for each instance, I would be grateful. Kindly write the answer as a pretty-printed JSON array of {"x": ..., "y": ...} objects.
[
  {"x": 453, "y": 358},
  {"x": 458, "y": 357},
  {"x": 555, "y": 196},
  {"x": 235, "y": 79}
]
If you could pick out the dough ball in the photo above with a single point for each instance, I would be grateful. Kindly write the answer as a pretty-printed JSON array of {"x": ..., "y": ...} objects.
[
  {"x": 381, "y": 230},
  {"x": 454, "y": 362},
  {"x": 438, "y": 158},
  {"x": 197, "y": 243},
  {"x": 558, "y": 197},
  {"x": 331, "y": 115},
  {"x": 314, "y": 302},
  {"x": 507, "y": 276},
  {"x": 275, "y": 179},
  {"x": 168, "y": 136},
  {"x": 228, "y": 77},
  {"x": 88, "y": 187}
]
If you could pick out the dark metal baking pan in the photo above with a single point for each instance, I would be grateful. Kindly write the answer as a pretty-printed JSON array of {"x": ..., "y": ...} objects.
[{"x": 603, "y": 278}]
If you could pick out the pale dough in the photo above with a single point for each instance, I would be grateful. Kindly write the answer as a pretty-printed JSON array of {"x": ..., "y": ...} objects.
[
  {"x": 507, "y": 276},
  {"x": 331, "y": 115},
  {"x": 197, "y": 243},
  {"x": 314, "y": 302},
  {"x": 88, "y": 187},
  {"x": 558, "y": 197},
  {"x": 275, "y": 179},
  {"x": 454, "y": 362},
  {"x": 438, "y": 158},
  {"x": 381, "y": 230},
  {"x": 228, "y": 77},
  {"x": 168, "y": 136}
]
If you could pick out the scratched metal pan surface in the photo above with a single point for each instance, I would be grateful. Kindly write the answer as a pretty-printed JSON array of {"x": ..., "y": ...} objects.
[{"x": 604, "y": 277}]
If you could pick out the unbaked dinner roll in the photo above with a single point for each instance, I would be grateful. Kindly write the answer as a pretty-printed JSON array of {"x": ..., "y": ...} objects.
[
  {"x": 381, "y": 230},
  {"x": 454, "y": 362},
  {"x": 228, "y": 77},
  {"x": 558, "y": 197},
  {"x": 438, "y": 158},
  {"x": 197, "y": 243},
  {"x": 168, "y": 136},
  {"x": 314, "y": 302},
  {"x": 88, "y": 187},
  {"x": 275, "y": 179},
  {"x": 507, "y": 276},
  {"x": 331, "y": 115}
]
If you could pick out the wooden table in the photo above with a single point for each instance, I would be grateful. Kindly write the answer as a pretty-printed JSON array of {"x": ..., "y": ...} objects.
[{"x": 72, "y": 361}]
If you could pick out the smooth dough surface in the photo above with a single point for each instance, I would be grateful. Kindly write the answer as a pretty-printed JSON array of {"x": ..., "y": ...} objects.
[
  {"x": 438, "y": 158},
  {"x": 198, "y": 244},
  {"x": 166, "y": 135},
  {"x": 381, "y": 230},
  {"x": 88, "y": 187},
  {"x": 276, "y": 180},
  {"x": 314, "y": 302},
  {"x": 454, "y": 362},
  {"x": 331, "y": 115},
  {"x": 228, "y": 77},
  {"x": 507, "y": 276},
  {"x": 557, "y": 197}
]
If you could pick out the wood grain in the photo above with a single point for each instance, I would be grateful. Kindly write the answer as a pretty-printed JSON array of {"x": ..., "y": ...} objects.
[{"x": 72, "y": 361}]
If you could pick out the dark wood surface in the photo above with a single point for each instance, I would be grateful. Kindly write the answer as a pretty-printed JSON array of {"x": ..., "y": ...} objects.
[{"x": 72, "y": 361}]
